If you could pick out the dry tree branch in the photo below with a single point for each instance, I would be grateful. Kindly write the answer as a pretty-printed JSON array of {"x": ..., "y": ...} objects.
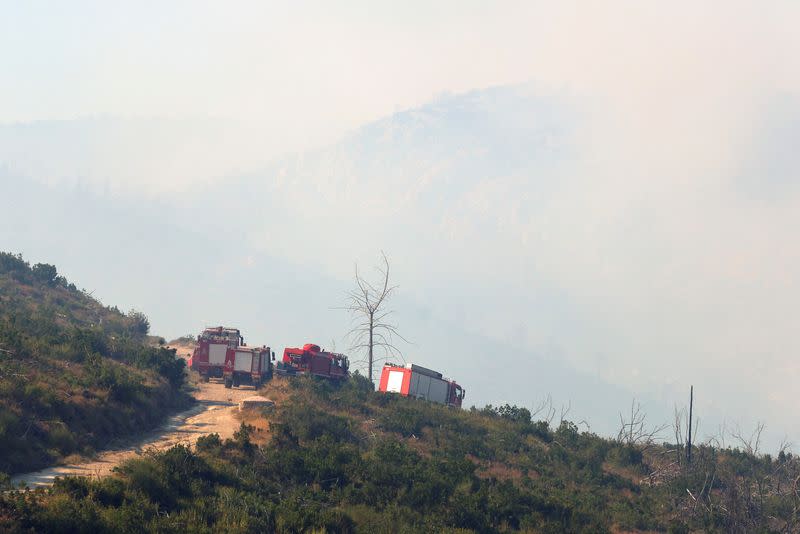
[
  {"x": 750, "y": 444},
  {"x": 546, "y": 408},
  {"x": 370, "y": 328},
  {"x": 634, "y": 431}
]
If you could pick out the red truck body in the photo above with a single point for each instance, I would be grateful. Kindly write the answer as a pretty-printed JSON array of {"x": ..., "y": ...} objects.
[
  {"x": 312, "y": 360},
  {"x": 211, "y": 351},
  {"x": 247, "y": 365},
  {"x": 421, "y": 383}
]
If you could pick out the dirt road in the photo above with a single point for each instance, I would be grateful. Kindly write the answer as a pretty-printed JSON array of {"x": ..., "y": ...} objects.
[{"x": 215, "y": 412}]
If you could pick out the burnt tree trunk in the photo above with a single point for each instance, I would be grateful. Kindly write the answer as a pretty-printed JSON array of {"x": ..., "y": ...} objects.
[{"x": 689, "y": 440}]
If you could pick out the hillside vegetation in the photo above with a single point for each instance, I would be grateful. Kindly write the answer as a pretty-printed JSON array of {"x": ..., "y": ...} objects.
[
  {"x": 74, "y": 374},
  {"x": 348, "y": 459}
]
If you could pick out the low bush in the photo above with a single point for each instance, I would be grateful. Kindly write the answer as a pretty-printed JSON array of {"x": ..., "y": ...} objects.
[{"x": 73, "y": 373}]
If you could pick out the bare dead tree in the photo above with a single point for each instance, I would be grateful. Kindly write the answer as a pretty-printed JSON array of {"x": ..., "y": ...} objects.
[
  {"x": 718, "y": 440},
  {"x": 564, "y": 412},
  {"x": 545, "y": 410},
  {"x": 689, "y": 440},
  {"x": 685, "y": 426},
  {"x": 373, "y": 333},
  {"x": 752, "y": 444},
  {"x": 677, "y": 427},
  {"x": 634, "y": 430}
]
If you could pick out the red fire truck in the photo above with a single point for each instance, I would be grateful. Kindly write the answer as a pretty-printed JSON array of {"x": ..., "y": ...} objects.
[
  {"x": 211, "y": 350},
  {"x": 421, "y": 383},
  {"x": 247, "y": 365},
  {"x": 313, "y": 361}
]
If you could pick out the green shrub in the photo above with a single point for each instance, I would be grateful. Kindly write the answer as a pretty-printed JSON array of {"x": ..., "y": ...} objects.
[
  {"x": 72, "y": 375},
  {"x": 626, "y": 455},
  {"x": 398, "y": 465}
]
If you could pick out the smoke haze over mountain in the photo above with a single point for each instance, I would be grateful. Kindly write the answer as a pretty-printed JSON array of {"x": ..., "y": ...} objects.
[{"x": 593, "y": 202}]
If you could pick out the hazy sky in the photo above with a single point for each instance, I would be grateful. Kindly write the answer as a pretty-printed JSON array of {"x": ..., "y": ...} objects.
[
  {"x": 672, "y": 232},
  {"x": 312, "y": 69}
]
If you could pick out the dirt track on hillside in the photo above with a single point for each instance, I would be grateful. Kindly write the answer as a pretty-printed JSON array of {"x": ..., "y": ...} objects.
[{"x": 216, "y": 411}]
